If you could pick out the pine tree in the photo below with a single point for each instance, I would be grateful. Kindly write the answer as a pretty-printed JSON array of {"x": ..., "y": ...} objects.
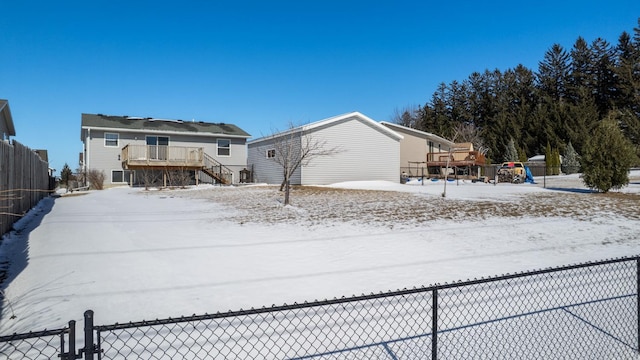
[
  {"x": 65, "y": 174},
  {"x": 571, "y": 161},
  {"x": 548, "y": 159},
  {"x": 553, "y": 73},
  {"x": 607, "y": 158},
  {"x": 511, "y": 154},
  {"x": 556, "y": 161},
  {"x": 604, "y": 76},
  {"x": 522, "y": 155}
]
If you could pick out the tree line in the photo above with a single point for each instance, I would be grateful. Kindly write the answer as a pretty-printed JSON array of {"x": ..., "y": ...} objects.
[{"x": 557, "y": 106}]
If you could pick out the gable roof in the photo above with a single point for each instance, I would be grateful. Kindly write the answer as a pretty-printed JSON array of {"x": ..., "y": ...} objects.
[
  {"x": 167, "y": 126},
  {"x": 5, "y": 113},
  {"x": 417, "y": 133},
  {"x": 330, "y": 121}
]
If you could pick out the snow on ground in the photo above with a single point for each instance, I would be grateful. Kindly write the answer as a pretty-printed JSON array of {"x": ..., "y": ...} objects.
[{"x": 130, "y": 254}]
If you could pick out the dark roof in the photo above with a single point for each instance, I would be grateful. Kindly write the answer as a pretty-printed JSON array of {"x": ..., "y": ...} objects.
[
  {"x": 139, "y": 123},
  {"x": 6, "y": 114},
  {"x": 44, "y": 154}
]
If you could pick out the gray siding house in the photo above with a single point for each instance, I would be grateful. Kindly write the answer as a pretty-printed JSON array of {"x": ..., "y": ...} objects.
[
  {"x": 365, "y": 150},
  {"x": 127, "y": 149},
  {"x": 6, "y": 121}
]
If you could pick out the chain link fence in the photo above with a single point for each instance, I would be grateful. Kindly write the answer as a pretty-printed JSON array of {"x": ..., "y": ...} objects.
[
  {"x": 585, "y": 311},
  {"x": 47, "y": 344}
]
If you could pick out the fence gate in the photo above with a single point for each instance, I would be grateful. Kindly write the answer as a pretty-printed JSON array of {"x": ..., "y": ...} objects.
[{"x": 47, "y": 344}]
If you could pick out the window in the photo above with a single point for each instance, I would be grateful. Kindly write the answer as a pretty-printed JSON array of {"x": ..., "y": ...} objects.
[
  {"x": 158, "y": 140},
  {"x": 224, "y": 147},
  {"x": 271, "y": 153},
  {"x": 157, "y": 147},
  {"x": 110, "y": 139},
  {"x": 120, "y": 176}
]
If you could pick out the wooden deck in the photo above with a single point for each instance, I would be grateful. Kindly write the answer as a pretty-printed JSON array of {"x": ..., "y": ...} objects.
[
  {"x": 455, "y": 158},
  {"x": 135, "y": 157},
  {"x": 167, "y": 158}
]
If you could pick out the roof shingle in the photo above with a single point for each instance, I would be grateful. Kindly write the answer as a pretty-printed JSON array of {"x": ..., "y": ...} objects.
[{"x": 138, "y": 123}]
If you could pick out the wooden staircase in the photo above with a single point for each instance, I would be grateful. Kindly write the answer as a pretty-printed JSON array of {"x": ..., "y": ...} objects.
[{"x": 216, "y": 170}]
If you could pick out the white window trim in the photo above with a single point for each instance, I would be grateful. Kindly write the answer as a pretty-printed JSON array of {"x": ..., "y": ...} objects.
[
  {"x": 267, "y": 153},
  {"x": 125, "y": 176},
  {"x": 218, "y": 148},
  {"x": 117, "y": 139},
  {"x": 124, "y": 181}
]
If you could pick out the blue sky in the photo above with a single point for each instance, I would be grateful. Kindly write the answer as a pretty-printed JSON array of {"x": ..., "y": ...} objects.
[{"x": 263, "y": 65}]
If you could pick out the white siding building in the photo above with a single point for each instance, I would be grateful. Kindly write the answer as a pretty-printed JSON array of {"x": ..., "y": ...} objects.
[{"x": 364, "y": 150}]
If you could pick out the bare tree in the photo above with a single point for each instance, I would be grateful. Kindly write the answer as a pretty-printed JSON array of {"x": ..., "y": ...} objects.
[
  {"x": 295, "y": 148},
  {"x": 471, "y": 134},
  {"x": 179, "y": 177},
  {"x": 96, "y": 178},
  {"x": 149, "y": 177},
  {"x": 408, "y": 116}
]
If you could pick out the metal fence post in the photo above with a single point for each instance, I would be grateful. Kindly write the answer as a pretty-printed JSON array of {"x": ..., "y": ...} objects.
[
  {"x": 434, "y": 325},
  {"x": 71, "y": 353},
  {"x": 88, "y": 335}
]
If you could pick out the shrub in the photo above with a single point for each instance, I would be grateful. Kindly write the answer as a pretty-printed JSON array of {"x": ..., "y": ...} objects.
[
  {"x": 96, "y": 179},
  {"x": 608, "y": 156}
]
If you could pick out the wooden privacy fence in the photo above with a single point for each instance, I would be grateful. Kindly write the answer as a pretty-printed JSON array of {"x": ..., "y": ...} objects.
[{"x": 24, "y": 180}]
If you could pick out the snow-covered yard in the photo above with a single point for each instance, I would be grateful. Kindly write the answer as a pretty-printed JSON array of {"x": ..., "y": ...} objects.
[{"x": 130, "y": 254}]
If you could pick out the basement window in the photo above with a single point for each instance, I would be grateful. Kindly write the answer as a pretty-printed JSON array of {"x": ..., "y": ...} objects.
[{"x": 120, "y": 176}]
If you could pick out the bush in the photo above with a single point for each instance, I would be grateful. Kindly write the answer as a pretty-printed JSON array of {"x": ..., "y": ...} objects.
[
  {"x": 96, "y": 179},
  {"x": 607, "y": 158}
]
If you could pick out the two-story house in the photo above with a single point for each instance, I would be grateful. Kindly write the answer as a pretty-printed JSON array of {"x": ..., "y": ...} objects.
[{"x": 136, "y": 150}]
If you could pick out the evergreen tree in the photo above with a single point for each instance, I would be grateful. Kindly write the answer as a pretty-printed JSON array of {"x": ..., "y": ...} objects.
[
  {"x": 571, "y": 161},
  {"x": 582, "y": 116},
  {"x": 435, "y": 117},
  {"x": 511, "y": 154},
  {"x": 556, "y": 161},
  {"x": 607, "y": 158},
  {"x": 604, "y": 76},
  {"x": 553, "y": 73},
  {"x": 581, "y": 76},
  {"x": 65, "y": 174},
  {"x": 522, "y": 155},
  {"x": 523, "y": 104},
  {"x": 548, "y": 158},
  {"x": 628, "y": 90}
]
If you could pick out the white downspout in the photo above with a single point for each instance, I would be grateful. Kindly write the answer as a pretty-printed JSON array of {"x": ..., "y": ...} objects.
[{"x": 87, "y": 156}]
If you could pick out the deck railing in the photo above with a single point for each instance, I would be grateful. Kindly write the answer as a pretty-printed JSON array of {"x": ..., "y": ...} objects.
[
  {"x": 456, "y": 157},
  {"x": 161, "y": 156}
]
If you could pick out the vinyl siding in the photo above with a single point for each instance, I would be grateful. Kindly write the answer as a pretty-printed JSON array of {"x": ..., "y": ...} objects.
[
  {"x": 414, "y": 147},
  {"x": 266, "y": 170},
  {"x": 364, "y": 152}
]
